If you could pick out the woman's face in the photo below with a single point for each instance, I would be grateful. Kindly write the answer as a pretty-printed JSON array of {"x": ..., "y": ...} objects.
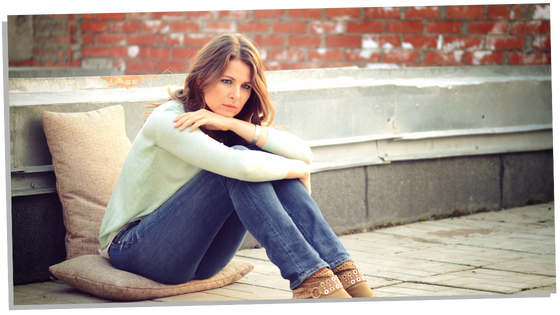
[{"x": 228, "y": 95}]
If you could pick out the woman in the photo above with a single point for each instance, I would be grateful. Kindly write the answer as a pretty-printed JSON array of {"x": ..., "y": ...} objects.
[{"x": 186, "y": 198}]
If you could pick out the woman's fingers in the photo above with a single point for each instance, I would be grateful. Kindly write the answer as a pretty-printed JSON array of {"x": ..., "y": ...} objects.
[
  {"x": 307, "y": 183},
  {"x": 183, "y": 124},
  {"x": 180, "y": 120},
  {"x": 180, "y": 116},
  {"x": 199, "y": 118},
  {"x": 192, "y": 118},
  {"x": 197, "y": 124}
]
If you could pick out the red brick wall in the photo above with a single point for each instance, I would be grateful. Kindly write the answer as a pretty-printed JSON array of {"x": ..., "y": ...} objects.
[{"x": 141, "y": 43}]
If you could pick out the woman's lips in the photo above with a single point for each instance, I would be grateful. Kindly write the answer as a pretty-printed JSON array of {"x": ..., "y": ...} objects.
[{"x": 229, "y": 106}]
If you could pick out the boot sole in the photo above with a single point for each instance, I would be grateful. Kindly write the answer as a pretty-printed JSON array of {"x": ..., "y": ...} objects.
[{"x": 360, "y": 290}]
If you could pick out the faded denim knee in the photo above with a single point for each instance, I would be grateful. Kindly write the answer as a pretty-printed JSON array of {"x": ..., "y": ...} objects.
[{"x": 239, "y": 147}]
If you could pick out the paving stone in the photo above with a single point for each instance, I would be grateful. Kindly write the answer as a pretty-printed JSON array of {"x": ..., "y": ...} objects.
[
  {"x": 250, "y": 292},
  {"x": 41, "y": 288},
  {"x": 465, "y": 255},
  {"x": 545, "y": 231},
  {"x": 236, "y": 291},
  {"x": 39, "y": 300},
  {"x": 75, "y": 297},
  {"x": 259, "y": 254},
  {"x": 387, "y": 293},
  {"x": 415, "y": 289},
  {"x": 270, "y": 281},
  {"x": 378, "y": 282},
  {"x": 493, "y": 280},
  {"x": 30, "y": 299},
  {"x": 196, "y": 297},
  {"x": 525, "y": 267},
  {"x": 543, "y": 290}
]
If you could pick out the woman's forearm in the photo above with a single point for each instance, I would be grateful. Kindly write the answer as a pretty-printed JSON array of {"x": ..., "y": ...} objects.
[
  {"x": 297, "y": 169},
  {"x": 246, "y": 131}
]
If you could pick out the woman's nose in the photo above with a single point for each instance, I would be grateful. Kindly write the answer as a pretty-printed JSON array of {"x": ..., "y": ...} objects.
[{"x": 235, "y": 93}]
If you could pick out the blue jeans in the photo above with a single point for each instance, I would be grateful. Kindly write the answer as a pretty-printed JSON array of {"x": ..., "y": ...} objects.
[{"x": 197, "y": 232}]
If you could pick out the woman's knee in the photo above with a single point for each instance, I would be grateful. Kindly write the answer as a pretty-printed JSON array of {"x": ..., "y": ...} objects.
[
  {"x": 244, "y": 148},
  {"x": 239, "y": 147}
]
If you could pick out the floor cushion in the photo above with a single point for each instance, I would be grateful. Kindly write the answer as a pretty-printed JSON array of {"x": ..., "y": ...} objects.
[{"x": 96, "y": 275}]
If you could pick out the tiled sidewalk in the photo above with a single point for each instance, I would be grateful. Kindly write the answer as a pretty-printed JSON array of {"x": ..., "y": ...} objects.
[{"x": 504, "y": 252}]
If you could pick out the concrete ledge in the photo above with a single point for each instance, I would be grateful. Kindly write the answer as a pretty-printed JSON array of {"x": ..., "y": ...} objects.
[
  {"x": 439, "y": 147},
  {"x": 358, "y": 114}
]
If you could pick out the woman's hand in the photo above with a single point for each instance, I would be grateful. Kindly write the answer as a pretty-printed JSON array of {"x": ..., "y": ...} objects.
[
  {"x": 300, "y": 170},
  {"x": 202, "y": 117},
  {"x": 306, "y": 180}
]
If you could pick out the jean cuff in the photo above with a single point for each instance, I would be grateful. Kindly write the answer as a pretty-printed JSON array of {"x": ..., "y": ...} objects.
[{"x": 305, "y": 275}]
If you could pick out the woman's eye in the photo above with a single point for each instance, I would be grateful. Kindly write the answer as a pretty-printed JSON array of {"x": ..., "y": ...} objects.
[{"x": 244, "y": 86}]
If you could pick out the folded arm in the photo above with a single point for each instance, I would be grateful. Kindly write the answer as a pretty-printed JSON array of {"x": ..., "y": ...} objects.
[{"x": 272, "y": 140}]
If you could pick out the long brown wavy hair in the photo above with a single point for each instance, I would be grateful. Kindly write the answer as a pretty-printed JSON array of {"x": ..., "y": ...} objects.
[{"x": 207, "y": 67}]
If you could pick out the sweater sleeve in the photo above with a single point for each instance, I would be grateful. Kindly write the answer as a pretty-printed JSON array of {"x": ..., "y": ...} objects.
[
  {"x": 198, "y": 149},
  {"x": 288, "y": 145}
]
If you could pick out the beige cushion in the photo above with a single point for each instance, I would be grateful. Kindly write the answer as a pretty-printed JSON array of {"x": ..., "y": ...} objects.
[
  {"x": 88, "y": 151},
  {"x": 95, "y": 275}
]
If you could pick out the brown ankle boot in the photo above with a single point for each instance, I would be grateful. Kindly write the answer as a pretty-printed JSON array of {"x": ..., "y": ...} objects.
[
  {"x": 353, "y": 280},
  {"x": 322, "y": 284}
]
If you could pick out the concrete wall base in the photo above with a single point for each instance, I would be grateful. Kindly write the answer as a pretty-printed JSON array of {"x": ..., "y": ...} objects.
[{"x": 406, "y": 191}]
